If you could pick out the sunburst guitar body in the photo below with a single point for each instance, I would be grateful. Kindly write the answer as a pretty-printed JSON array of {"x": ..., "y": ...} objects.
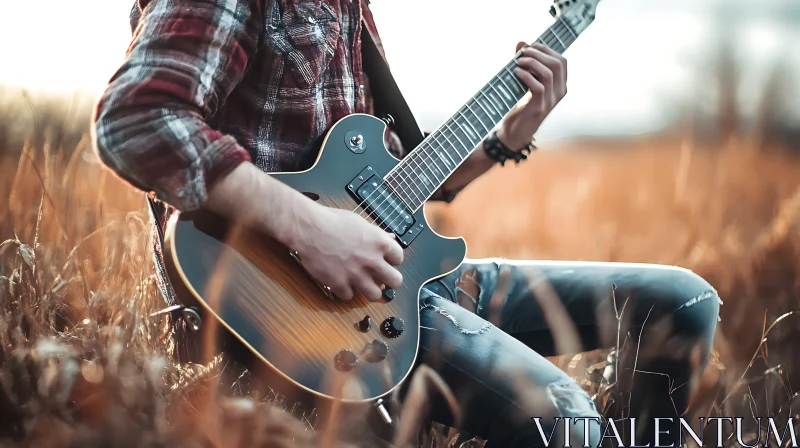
[{"x": 258, "y": 292}]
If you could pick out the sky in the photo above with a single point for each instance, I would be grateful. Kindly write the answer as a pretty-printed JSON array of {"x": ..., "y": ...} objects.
[{"x": 625, "y": 70}]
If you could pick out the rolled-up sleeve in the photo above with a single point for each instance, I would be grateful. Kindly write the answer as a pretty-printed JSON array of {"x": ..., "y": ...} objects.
[{"x": 150, "y": 126}]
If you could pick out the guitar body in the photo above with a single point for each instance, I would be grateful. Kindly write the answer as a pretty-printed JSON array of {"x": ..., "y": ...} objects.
[
  {"x": 260, "y": 294},
  {"x": 253, "y": 294}
]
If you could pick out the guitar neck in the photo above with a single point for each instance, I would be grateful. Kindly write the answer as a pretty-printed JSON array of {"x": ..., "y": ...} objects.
[{"x": 423, "y": 171}]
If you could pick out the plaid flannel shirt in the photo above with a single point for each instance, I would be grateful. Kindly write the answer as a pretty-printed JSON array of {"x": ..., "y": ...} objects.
[{"x": 209, "y": 84}]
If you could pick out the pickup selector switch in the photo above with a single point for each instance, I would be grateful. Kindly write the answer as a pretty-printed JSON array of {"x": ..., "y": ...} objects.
[
  {"x": 388, "y": 294},
  {"x": 364, "y": 325},
  {"x": 393, "y": 327}
]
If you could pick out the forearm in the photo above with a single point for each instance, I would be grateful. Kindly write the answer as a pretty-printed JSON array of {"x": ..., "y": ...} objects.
[{"x": 255, "y": 199}]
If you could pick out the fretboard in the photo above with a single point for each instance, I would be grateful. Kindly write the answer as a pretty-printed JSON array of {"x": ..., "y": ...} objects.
[{"x": 423, "y": 171}]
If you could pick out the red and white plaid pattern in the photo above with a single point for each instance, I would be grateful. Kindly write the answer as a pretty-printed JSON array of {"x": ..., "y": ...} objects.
[{"x": 208, "y": 84}]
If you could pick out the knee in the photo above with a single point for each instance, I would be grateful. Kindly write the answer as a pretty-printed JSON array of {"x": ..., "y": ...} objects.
[
  {"x": 696, "y": 305},
  {"x": 571, "y": 419},
  {"x": 685, "y": 314},
  {"x": 577, "y": 409}
]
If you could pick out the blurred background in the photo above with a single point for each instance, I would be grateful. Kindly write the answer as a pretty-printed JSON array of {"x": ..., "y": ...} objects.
[{"x": 677, "y": 144}]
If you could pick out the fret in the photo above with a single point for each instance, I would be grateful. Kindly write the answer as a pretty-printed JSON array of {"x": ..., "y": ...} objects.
[
  {"x": 469, "y": 127},
  {"x": 558, "y": 41},
  {"x": 516, "y": 81},
  {"x": 439, "y": 150},
  {"x": 427, "y": 167},
  {"x": 488, "y": 115},
  {"x": 497, "y": 96},
  {"x": 566, "y": 26},
  {"x": 412, "y": 174},
  {"x": 474, "y": 114},
  {"x": 401, "y": 191},
  {"x": 448, "y": 161},
  {"x": 462, "y": 137},
  {"x": 444, "y": 147},
  {"x": 422, "y": 178},
  {"x": 413, "y": 182},
  {"x": 509, "y": 94},
  {"x": 497, "y": 113},
  {"x": 444, "y": 175},
  {"x": 451, "y": 144}
]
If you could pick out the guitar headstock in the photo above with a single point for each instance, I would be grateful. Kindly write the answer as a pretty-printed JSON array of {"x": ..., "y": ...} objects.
[{"x": 578, "y": 14}]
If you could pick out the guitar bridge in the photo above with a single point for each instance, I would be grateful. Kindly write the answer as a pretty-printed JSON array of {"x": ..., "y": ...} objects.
[
  {"x": 325, "y": 289},
  {"x": 384, "y": 206}
]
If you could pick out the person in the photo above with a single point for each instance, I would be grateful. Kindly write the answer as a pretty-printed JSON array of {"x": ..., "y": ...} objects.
[{"x": 215, "y": 94}]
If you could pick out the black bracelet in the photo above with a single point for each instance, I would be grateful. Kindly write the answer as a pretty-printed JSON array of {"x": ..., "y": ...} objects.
[{"x": 500, "y": 153}]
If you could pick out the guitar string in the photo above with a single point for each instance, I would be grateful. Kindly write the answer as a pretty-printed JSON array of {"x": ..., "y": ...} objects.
[
  {"x": 447, "y": 126},
  {"x": 413, "y": 159},
  {"x": 400, "y": 189},
  {"x": 391, "y": 220},
  {"x": 559, "y": 26}
]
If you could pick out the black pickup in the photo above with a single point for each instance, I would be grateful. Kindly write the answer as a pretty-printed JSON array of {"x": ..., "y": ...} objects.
[{"x": 384, "y": 206}]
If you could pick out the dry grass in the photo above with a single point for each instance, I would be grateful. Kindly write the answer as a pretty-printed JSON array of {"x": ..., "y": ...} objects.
[{"x": 83, "y": 364}]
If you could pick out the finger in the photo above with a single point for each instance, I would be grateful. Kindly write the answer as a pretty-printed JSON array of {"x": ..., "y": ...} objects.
[
  {"x": 556, "y": 62},
  {"x": 342, "y": 291},
  {"x": 549, "y": 51},
  {"x": 368, "y": 288},
  {"x": 539, "y": 70},
  {"x": 386, "y": 274},
  {"x": 520, "y": 46},
  {"x": 536, "y": 88},
  {"x": 543, "y": 75},
  {"x": 392, "y": 252}
]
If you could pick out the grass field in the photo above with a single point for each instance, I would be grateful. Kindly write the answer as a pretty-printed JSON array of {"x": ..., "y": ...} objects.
[{"x": 82, "y": 364}]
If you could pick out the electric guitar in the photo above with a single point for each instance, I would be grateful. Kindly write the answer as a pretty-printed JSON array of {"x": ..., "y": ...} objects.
[{"x": 258, "y": 292}]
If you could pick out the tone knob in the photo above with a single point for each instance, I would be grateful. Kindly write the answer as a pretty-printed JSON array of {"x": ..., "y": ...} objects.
[
  {"x": 376, "y": 350},
  {"x": 388, "y": 294},
  {"x": 393, "y": 327},
  {"x": 345, "y": 360},
  {"x": 364, "y": 325}
]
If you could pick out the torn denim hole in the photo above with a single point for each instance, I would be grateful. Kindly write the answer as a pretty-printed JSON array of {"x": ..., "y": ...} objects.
[
  {"x": 570, "y": 399},
  {"x": 478, "y": 284},
  {"x": 471, "y": 277},
  {"x": 486, "y": 327},
  {"x": 572, "y": 402}
]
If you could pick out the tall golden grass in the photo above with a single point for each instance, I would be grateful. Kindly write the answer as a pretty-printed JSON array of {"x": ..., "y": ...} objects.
[{"x": 82, "y": 363}]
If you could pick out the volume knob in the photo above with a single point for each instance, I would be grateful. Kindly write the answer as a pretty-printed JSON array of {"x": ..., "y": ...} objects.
[
  {"x": 393, "y": 327},
  {"x": 376, "y": 350},
  {"x": 345, "y": 360}
]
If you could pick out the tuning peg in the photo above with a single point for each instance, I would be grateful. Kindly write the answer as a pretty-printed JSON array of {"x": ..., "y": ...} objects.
[{"x": 553, "y": 11}]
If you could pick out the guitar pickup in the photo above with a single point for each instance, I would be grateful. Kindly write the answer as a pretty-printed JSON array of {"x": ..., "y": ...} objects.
[{"x": 383, "y": 205}]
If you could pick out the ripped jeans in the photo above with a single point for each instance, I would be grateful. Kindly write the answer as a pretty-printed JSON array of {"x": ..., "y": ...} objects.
[{"x": 488, "y": 326}]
